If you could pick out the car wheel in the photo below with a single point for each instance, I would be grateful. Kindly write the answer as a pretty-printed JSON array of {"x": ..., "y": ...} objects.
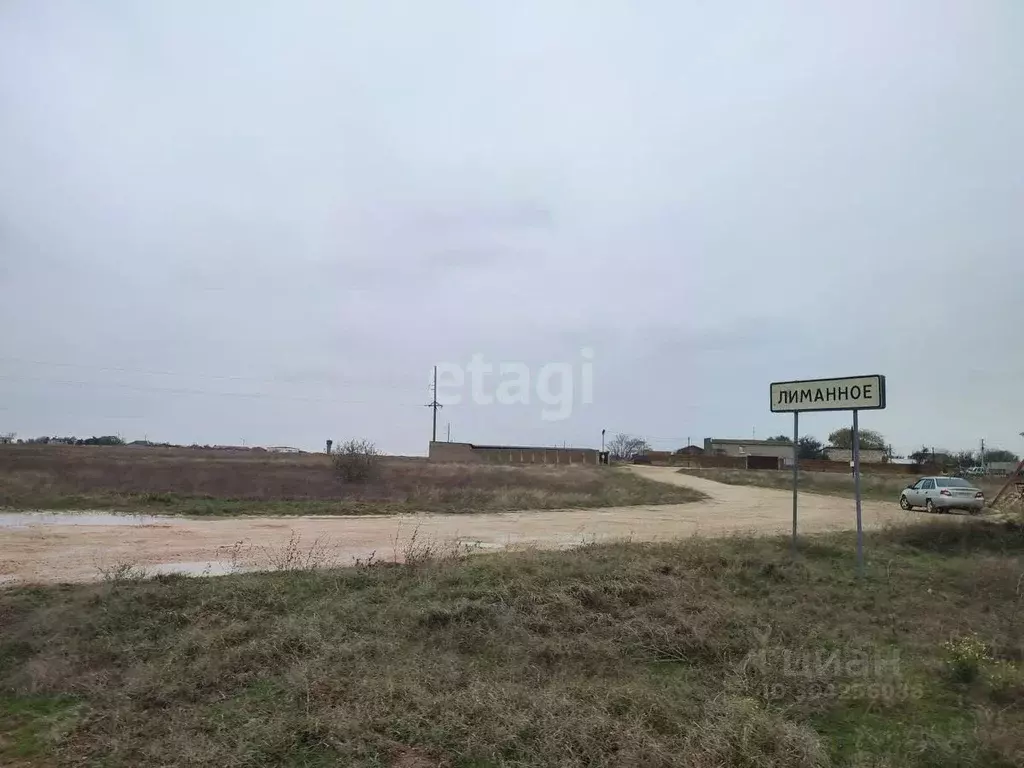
[
  {"x": 904, "y": 504},
  {"x": 929, "y": 506}
]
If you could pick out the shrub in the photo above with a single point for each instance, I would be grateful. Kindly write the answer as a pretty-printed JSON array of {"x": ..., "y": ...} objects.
[
  {"x": 357, "y": 461},
  {"x": 965, "y": 657}
]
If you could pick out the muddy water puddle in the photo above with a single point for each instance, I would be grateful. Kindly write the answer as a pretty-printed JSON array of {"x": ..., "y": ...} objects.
[{"x": 30, "y": 519}]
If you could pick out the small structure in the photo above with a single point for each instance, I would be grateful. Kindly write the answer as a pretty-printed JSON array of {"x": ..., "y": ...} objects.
[
  {"x": 1000, "y": 467},
  {"x": 867, "y": 455},
  {"x": 715, "y": 446},
  {"x": 690, "y": 450}
]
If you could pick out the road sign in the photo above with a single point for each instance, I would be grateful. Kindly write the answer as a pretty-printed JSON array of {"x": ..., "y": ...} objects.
[{"x": 854, "y": 393}]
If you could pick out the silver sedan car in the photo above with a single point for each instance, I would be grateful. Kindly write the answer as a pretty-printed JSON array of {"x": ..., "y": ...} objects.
[{"x": 939, "y": 494}]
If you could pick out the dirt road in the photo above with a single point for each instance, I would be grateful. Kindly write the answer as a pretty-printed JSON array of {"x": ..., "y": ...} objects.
[{"x": 55, "y": 551}]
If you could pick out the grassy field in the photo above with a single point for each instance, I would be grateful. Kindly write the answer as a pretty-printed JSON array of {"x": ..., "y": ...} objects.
[
  {"x": 878, "y": 487},
  {"x": 183, "y": 481},
  {"x": 704, "y": 653}
]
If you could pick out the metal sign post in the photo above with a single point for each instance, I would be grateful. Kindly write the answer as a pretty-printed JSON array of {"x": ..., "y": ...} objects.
[
  {"x": 796, "y": 469},
  {"x": 856, "y": 492},
  {"x": 853, "y": 393}
]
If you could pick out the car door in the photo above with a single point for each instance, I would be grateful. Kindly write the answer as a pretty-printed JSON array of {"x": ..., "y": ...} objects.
[
  {"x": 926, "y": 492},
  {"x": 913, "y": 494}
]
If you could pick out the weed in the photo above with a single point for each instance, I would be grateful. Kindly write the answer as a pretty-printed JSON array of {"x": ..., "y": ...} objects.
[
  {"x": 122, "y": 572},
  {"x": 1005, "y": 681},
  {"x": 966, "y": 657},
  {"x": 291, "y": 556},
  {"x": 294, "y": 557},
  {"x": 417, "y": 551}
]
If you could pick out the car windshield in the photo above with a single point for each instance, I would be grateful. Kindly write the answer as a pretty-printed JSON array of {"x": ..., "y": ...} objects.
[{"x": 951, "y": 482}]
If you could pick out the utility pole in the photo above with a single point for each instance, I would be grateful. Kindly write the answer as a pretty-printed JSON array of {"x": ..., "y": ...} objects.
[
  {"x": 435, "y": 405},
  {"x": 449, "y": 431},
  {"x": 982, "y": 462}
]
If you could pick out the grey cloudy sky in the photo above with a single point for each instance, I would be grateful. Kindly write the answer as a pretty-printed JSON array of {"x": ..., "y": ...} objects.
[{"x": 266, "y": 221}]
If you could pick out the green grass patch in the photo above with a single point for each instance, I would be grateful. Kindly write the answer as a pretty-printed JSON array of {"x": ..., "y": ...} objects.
[
  {"x": 697, "y": 653},
  {"x": 32, "y": 727}
]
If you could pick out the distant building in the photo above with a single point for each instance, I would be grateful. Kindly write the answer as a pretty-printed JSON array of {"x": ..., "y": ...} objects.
[
  {"x": 715, "y": 446},
  {"x": 690, "y": 450},
  {"x": 510, "y": 454},
  {"x": 867, "y": 455},
  {"x": 1000, "y": 467}
]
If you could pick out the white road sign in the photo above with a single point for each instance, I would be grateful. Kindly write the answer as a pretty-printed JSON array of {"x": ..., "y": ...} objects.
[{"x": 852, "y": 393}]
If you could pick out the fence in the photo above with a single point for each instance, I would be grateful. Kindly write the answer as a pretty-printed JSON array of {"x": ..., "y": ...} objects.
[
  {"x": 868, "y": 467},
  {"x": 501, "y": 454},
  {"x": 806, "y": 465}
]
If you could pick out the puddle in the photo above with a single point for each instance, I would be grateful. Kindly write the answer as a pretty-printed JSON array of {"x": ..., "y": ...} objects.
[{"x": 28, "y": 519}]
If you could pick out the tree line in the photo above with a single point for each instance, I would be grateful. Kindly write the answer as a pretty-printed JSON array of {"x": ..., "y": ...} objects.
[
  {"x": 809, "y": 447},
  {"x": 625, "y": 447},
  {"x": 70, "y": 440}
]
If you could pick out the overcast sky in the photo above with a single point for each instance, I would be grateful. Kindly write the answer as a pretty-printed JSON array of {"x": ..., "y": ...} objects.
[{"x": 266, "y": 221}]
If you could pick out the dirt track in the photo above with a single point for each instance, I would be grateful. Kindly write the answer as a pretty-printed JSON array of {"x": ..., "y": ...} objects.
[{"x": 57, "y": 553}]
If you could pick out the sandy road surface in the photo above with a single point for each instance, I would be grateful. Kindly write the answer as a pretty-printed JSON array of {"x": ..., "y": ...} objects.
[{"x": 61, "y": 552}]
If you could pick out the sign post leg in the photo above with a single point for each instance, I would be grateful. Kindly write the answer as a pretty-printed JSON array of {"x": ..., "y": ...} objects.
[
  {"x": 796, "y": 469},
  {"x": 856, "y": 491}
]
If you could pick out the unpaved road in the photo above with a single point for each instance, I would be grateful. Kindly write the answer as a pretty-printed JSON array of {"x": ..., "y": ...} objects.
[{"x": 62, "y": 552}]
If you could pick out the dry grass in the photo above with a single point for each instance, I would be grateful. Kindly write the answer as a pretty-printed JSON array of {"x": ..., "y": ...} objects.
[
  {"x": 702, "y": 653},
  {"x": 215, "y": 482},
  {"x": 880, "y": 487},
  {"x": 409, "y": 549}
]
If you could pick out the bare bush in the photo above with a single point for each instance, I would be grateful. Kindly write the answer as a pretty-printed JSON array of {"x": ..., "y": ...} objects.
[
  {"x": 357, "y": 461},
  {"x": 624, "y": 447},
  {"x": 291, "y": 556},
  {"x": 294, "y": 557},
  {"x": 418, "y": 552},
  {"x": 122, "y": 572}
]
